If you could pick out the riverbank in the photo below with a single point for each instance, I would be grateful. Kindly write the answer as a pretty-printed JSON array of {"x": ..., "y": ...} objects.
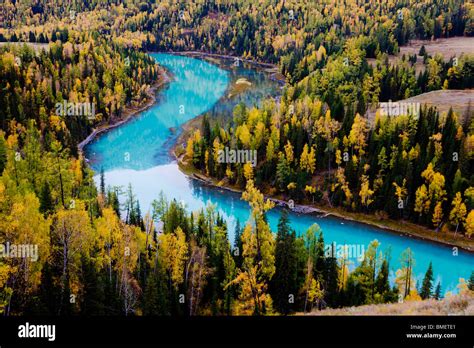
[
  {"x": 129, "y": 112},
  {"x": 399, "y": 227}
]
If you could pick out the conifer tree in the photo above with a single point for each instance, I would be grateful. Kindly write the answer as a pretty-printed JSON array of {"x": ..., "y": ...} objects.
[
  {"x": 427, "y": 285},
  {"x": 437, "y": 294},
  {"x": 471, "y": 282},
  {"x": 283, "y": 286}
]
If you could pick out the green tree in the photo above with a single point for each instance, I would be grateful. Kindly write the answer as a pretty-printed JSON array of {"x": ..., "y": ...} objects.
[
  {"x": 427, "y": 285},
  {"x": 283, "y": 286},
  {"x": 471, "y": 282},
  {"x": 46, "y": 201},
  {"x": 437, "y": 293}
]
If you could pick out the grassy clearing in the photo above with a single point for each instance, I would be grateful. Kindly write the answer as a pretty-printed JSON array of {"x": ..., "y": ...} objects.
[
  {"x": 457, "y": 99},
  {"x": 448, "y": 48},
  {"x": 452, "y": 47}
]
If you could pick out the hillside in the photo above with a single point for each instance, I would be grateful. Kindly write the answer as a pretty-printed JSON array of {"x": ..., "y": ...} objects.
[{"x": 442, "y": 99}]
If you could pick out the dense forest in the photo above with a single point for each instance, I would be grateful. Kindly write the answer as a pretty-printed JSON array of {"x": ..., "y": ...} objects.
[
  {"x": 99, "y": 256},
  {"x": 289, "y": 33}
]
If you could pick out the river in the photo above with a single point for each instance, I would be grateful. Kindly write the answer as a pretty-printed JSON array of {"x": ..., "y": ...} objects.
[{"x": 137, "y": 152}]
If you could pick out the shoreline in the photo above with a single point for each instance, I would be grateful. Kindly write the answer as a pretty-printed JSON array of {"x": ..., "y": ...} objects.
[
  {"x": 225, "y": 56},
  {"x": 130, "y": 112}
]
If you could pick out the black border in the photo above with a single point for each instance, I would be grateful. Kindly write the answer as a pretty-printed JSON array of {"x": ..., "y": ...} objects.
[{"x": 240, "y": 331}]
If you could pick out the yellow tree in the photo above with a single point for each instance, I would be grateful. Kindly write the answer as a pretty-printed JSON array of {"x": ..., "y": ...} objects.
[
  {"x": 190, "y": 149},
  {"x": 327, "y": 128},
  {"x": 72, "y": 230},
  {"x": 196, "y": 274},
  {"x": 458, "y": 213},
  {"x": 315, "y": 293},
  {"x": 422, "y": 201},
  {"x": 108, "y": 236},
  {"x": 343, "y": 184},
  {"x": 308, "y": 160},
  {"x": 248, "y": 171},
  {"x": 357, "y": 135},
  {"x": 5, "y": 292},
  {"x": 270, "y": 150},
  {"x": 365, "y": 192},
  {"x": 289, "y": 152},
  {"x": 304, "y": 158},
  {"x": 400, "y": 191},
  {"x": 259, "y": 258},
  {"x": 437, "y": 215},
  {"x": 23, "y": 226},
  {"x": 195, "y": 139},
  {"x": 435, "y": 181},
  {"x": 469, "y": 224},
  {"x": 173, "y": 253},
  {"x": 338, "y": 157},
  {"x": 129, "y": 248},
  {"x": 404, "y": 277},
  {"x": 431, "y": 192},
  {"x": 243, "y": 134},
  {"x": 311, "y": 190}
]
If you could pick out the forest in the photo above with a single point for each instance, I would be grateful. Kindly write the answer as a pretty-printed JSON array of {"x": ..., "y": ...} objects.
[{"x": 100, "y": 254}]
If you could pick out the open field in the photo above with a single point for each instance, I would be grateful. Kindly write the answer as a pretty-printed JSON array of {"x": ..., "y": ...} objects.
[
  {"x": 448, "y": 48},
  {"x": 452, "y": 47},
  {"x": 459, "y": 100}
]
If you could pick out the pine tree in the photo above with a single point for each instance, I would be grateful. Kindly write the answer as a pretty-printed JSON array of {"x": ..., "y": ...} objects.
[
  {"x": 382, "y": 285},
  {"x": 331, "y": 273},
  {"x": 427, "y": 285},
  {"x": 470, "y": 284},
  {"x": 102, "y": 181},
  {"x": 46, "y": 201},
  {"x": 237, "y": 252},
  {"x": 93, "y": 295},
  {"x": 155, "y": 297},
  {"x": 283, "y": 287},
  {"x": 206, "y": 127},
  {"x": 437, "y": 294},
  {"x": 422, "y": 51}
]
